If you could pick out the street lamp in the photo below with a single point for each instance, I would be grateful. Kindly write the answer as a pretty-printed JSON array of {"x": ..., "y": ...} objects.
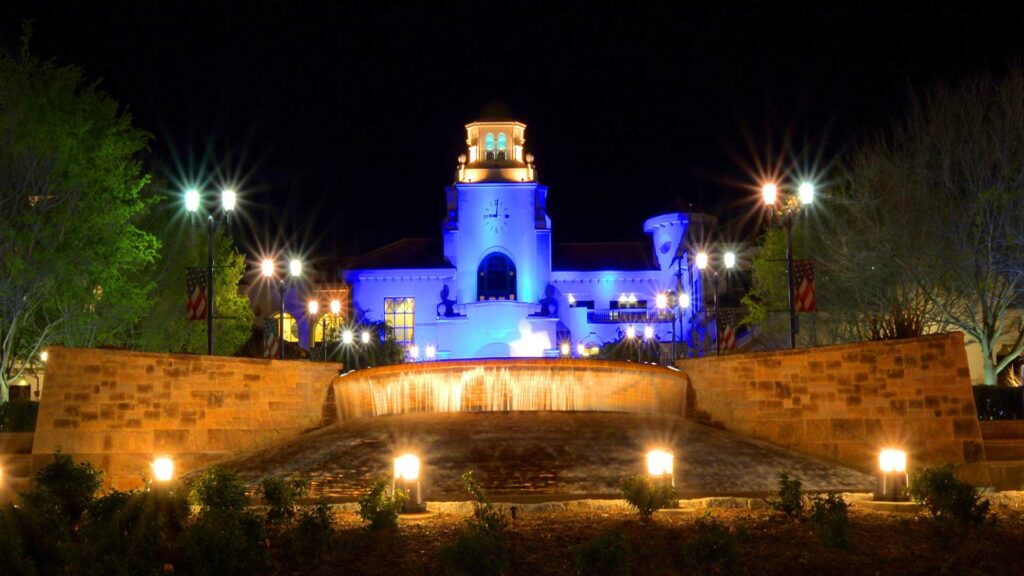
[
  {"x": 193, "y": 199},
  {"x": 729, "y": 261},
  {"x": 788, "y": 209},
  {"x": 268, "y": 269},
  {"x": 314, "y": 309}
]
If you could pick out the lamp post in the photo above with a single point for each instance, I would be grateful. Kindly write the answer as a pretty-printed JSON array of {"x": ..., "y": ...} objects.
[
  {"x": 314, "y": 308},
  {"x": 268, "y": 268},
  {"x": 193, "y": 200},
  {"x": 788, "y": 207},
  {"x": 703, "y": 261}
]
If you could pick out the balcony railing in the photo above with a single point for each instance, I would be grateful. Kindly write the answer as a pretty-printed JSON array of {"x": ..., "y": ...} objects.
[{"x": 629, "y": 316}]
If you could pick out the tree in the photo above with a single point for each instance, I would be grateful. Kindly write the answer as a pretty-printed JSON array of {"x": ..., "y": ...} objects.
[
  {"x": 71, "y": 256},
  {"x": 920, "y": 234},
  {"x": 165, "y": 328}
]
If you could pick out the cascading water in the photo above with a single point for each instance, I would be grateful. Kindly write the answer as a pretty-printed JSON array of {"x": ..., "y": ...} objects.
[{"x": 513, "y": 385}]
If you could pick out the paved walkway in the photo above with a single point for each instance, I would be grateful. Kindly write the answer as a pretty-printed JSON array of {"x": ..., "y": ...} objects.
[{"x": 539, "y": 456}]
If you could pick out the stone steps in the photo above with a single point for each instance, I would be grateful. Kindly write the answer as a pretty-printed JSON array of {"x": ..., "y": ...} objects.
[
  {"x": 1002, "y": 430},
  {"x": 1008, "y": 475},
  {"x": 1004, "y": 450}
]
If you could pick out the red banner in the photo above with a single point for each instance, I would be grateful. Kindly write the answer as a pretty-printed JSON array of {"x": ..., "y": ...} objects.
[
  {"x": 195, "y": 280},
  {"x": 803, "y": 280}
]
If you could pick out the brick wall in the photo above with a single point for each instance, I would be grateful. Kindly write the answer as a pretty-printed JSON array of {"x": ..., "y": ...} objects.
[
  {"x": 846, "y": 402},
  {"x": 120, "y": 409}
]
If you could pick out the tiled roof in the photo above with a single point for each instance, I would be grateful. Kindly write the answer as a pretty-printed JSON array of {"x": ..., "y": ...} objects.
[
  {"x": 408, "y": 253},
  {"x": 593, "y": 256}
]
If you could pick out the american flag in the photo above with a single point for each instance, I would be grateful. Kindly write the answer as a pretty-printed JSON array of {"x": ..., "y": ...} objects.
[
  {"x": 803, "y": 279},
  {"x": 195, "y": 281},
  {"x": 270, "y": 340},
  {"x": 727, "y": 319}
]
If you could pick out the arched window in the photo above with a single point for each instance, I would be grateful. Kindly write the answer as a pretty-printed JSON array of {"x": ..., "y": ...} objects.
[
  {"x": 496, "y": 278},
  {"x": 502, "y": 147},
  {"x": 291, "y": 329},
  {"x": 489, "y": 146}
]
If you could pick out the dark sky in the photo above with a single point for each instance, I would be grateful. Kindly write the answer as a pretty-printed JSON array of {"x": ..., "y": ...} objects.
[{"x": 344, "y": 121}]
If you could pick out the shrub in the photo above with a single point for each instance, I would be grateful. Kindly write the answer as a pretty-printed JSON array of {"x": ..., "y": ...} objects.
[
  {"x": 64, "y": 488},
  {"x": 379, "y": 506},
  {"x": 313, "y": 534},
  {"x": 13, "y": 558},
  {"x": 712, "y": 549},
  {"x": 280, "y": 494},
  {"x": 831, "y": 519},
  {"x": 646, "y": 497},
  {"x": 789, "y": 499},
  {"x": 480, "y": 548},
  {"x": 18, "y": 416},
  {"x": 947, "y": 498},
  {"x": 606, "y": 555},
  {"x": 219, "y": 489}
]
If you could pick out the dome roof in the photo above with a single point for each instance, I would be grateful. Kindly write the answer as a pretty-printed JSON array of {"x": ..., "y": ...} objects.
[{"x": 496, "y": 110}]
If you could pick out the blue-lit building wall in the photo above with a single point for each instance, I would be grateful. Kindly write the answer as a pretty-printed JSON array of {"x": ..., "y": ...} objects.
[{"x": 497, "y": 207}]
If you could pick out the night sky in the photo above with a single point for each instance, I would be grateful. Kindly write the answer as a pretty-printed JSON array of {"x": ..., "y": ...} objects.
[{"x": 342, "y": 123}]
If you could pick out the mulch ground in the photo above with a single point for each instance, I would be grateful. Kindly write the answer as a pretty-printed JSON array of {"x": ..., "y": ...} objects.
[{"x": 543, "y": 543}]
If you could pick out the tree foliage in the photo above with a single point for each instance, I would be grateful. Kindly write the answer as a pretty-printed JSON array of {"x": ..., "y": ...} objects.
[{"x": 71, "y": 255}]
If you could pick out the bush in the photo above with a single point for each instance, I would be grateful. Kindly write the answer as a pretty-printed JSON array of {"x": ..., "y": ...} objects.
[
  {"x": 64, "y": 488},
  {"x": 13, "y": 558},
  {"x": 713, "y": 549},
  {"x": 481, "y": 548},
  {"x": 219, "y": 489},
  {"x": 280, "y": 494},
  {"x": 831, "y": 519},
  {"x": 379, "y": 506},
  {"x": 948, "y": 499},
  {"x": 313, "y": 534},
  {"x": 18, "y": 416},
  {"x": 790, "y": 499},
  {"x": 606, "y": 555},
  {"x": 647, "y": 498},
  {"x": 225, "y": 538}
]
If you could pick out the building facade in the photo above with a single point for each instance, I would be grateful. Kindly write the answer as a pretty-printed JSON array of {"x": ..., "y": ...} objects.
[{"x": 494, "y": 284}]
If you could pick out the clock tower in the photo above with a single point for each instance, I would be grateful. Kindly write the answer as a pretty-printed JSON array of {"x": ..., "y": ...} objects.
[{"x": 496, "y": 230}]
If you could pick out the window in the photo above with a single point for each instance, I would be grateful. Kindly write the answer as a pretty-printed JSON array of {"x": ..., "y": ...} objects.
[
  {"x": 398, "y": 314},
  {"x": 588, "y": 304},
  {"x": 502, "y": 147},
  {"x": 327, "y": 328},
  {"x": 291, "y": 329},
  {"x": 496, "y": 278},
  {"x": 489, "y": 147}
]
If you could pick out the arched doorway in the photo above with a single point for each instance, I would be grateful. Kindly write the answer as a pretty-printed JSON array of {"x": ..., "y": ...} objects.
[{"x": 496, "y": 278}]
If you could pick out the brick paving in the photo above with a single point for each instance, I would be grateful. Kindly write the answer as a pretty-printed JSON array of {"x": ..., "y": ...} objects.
[{"x": 539, "y": 456}]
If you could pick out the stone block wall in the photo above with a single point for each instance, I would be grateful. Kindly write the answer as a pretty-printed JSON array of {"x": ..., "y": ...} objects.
[
  {"x": 119, "y": 409},
  {"x": 844, "y": 403}
]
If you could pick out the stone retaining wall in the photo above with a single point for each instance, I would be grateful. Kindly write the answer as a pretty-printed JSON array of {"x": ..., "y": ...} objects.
[
  {"x": 846, "y": 402},
  {"x": 119, "y": 409}
]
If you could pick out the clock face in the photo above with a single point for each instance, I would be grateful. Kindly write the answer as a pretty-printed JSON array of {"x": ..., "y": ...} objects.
[{"x": 496, "y": 216}]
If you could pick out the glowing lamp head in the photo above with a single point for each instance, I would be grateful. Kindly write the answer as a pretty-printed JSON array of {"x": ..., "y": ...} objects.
[
  {"x": 581, "y": 350},
  {"x": 684, "y": 300},
  {"x": 564, "y": 349},
  {"x": 335, "y": 307},
  {"x": 702, "y": 260},
  {"x": 659, "y": 463},
  {"x": 661, "y": 301},
  {"x": 192, "y": 200},
  {"x": 295, "y": 267},
  {"x": 228, "y": 199},
  {"x": 44, "y": 356},
  {"x": 346, "y": 337},
  {"x": 806, "y": 193},
  {"x": 407, "y": 467},
  {"x": 730, "y": 260},
  {"x": 630, "y": 332},
  {"x": 267, "y": 268},
  {"x": 769, "y": 193},
  {"x": 313, "y": 307},
  {"x": 431, "y": 352},
  {"x": 414, "y": 352},
  {"x": 163, "y": 469},
  {"x": 890, "y": 460},
  {"x": 364, "y": 337},
  {"x": 648, "y": 332},
  {"x": 572, "y": 300}
]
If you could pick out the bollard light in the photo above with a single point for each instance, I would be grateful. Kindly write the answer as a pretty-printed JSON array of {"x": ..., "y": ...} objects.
[
  {"x": 431, "y": 352},
  {"x": 659, "y": 466},
  {"x": 163, "y": 469},
  {"x": 407, "y": 467},
  {"x": 407, "y": 477},
  {"x": 893, "y": 465}
]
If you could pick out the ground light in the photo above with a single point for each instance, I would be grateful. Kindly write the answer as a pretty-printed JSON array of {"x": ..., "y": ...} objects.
[
  {"x": 659, "y": 466},
  {"x": 893, "y": 466},
  {"x": 431, "y": 352},
  {"x": 407, "y": 477},
  {"x": 564, "y": 349},
  {"x": 163, "y": 469}
]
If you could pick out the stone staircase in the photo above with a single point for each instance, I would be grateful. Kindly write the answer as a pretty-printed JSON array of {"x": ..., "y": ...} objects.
[
  {"x": 1004, "y": 450},
  {"x": 16, "y": 463}
]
